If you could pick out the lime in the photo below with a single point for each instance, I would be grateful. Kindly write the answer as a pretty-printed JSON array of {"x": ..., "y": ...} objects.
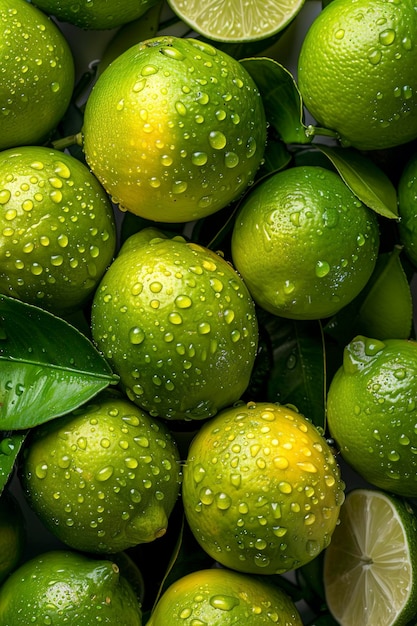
[
  {"x": 12, "y": 533},
  {"x": 174, "y": 129},
  {"x": 372, "y": 411},
  {"x": 235, "y": 21},
  {"x": 303, "y": 243},
  {"x": 407, "y": 208},
  {"x": 221, "y": 597},
  {"x": 37, "y": 74},
  {"x": 63, "y": 587},
  {"x": 370, "y": 565},
  {"x": 177, "y": 324},
  {"x": 103, "y": 478},
  {"x": 356, "y": 71},
  {"x": 261, "y": 489},
  {"x": 96, "y": 15},
  {"x": 57, "y": 228}
]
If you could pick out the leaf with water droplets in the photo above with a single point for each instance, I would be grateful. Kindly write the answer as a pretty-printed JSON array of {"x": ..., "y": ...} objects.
[
  {"x": 367, "y": 181},
  {"x": 48, "y": 367},
  {"x": 10, "y": 445},
  {"x": 281, "y": 98}
]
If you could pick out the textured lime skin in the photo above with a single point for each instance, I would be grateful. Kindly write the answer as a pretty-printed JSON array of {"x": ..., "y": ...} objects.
[
  {"x": 178, "y": 325},
  {"x": 57, "y": 228},
  {"x": 104, "y": 478},
  {"x": 407, "y": 208},
  {"x": 371, "y": 412},
  {"x": 304, "y": 244},
  {"x": 356, "y": 71},
  {"x": 12, "y": 533},
  {"x": 64, "y": 588},
  {"x": 174, "y": 129},
  {"x": 221, "y": 597},
  {"x": 38, "y": 78},
  {"x": 96, "y": 15},
  {"x": 261, "y": 489}
]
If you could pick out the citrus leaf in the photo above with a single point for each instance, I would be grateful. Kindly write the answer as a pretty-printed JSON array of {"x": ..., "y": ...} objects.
[
  {"x": 281, "y": 98},
  {"x": 10, "y": 446},
  {"x": 367, "y": 181},
  {"x": 298, "y": 374},
  {"x": 48, "y": 367}
]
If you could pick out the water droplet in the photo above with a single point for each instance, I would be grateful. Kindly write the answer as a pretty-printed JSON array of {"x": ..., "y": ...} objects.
[
  {"x": 41, "y": 470},
  {"x": 339, "y": 34},
  {"x": 223, "y": 501},
  {"x": 223, "y": 602},
  {"x": 104, "y": 473},
  {"x": 136, "y": 335},
  {"x": 199, "y": 158},
  {"x": 231, "y": 160},
  {"x": 206, "y": 496},
  {"x": 4, "y": 196},
  {"x": 322, "y": 269},
  {"x": 179, "y": 186},
  {"x": 217, "y": 139},
  {"x": 386, "y": 37},
  {"x": 375, "y": 56},
  {"x": 175, "y": 318},
  {"x": 285, "y": 487}
]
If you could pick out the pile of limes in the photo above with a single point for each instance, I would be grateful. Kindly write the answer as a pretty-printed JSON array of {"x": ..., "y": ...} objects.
[{"x": 236, "y": 245}]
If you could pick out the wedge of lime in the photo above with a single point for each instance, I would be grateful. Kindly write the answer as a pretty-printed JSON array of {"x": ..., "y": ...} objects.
[
  {"x": 370, "y": 565},
  {"x": 235, "y": 20}
]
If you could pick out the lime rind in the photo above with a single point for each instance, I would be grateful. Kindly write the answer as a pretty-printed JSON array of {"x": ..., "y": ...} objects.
[
  {"x": 369, "y": 567},
  {"x": 236, "y": 20}
]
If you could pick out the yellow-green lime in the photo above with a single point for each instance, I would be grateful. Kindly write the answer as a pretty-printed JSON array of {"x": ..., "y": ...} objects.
[
  {"x": 62, "y": 587},
  {"x": 356, "y": 72},
  {"x": 177, "y": 324},
  {"x": 57, "y": 228},
  {"x": 372, "y": 411},
  {"x": 12, "y": 533},
  {"x": 104, "y": 14},
  {"x": 174, "y": 129},
  {"x": 37, "y": 74},
  {"x": 103, "y": 478},
  {"x": 235, "y": 21},
  {"x": 370, "y": 565},
  {"x": 407, "y": 208},
  {"x": 303, "y": 243},
  {"x": 261, "y": 489},
  {"x": 221, "y": 597}
]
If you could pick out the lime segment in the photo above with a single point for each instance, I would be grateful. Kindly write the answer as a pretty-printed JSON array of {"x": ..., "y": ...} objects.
[
  {"x": 369, "y": 572},
  {"x": 235, "y": 20}
]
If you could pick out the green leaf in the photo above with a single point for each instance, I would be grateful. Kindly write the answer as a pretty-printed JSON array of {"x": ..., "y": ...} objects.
[
  {"x": 367, "y": 181},
  {"x": 281, "y": 97},
  {"x": 48, "y": 367},
  {"x": 298, "y": 376},
  {"x": 10, "y": 445}
]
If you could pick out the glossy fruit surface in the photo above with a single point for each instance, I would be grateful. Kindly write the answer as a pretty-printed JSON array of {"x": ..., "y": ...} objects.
[
  {"x": 261, "y": 489},
  {"x": 304, "y": 244},
  {"x": 104, "y": 478},
  {"x": 371, "y": 411},
  {"x": 356, "y": 71},
  {"x": 57, "y": 228},
  {"x": 174, "y": 129},
  {"x": 37, "y": 74},
  {"x": 63, "y": 587},
  {"x": 178, "y": 325}
]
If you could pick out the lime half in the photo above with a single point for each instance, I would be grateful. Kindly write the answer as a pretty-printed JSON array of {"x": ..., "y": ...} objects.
[
  {"x": 370, "y": 564},
  {"x": 235, "y": 20}
]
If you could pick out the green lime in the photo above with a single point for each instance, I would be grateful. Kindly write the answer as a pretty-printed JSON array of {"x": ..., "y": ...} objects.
[
  {"x": 356, "y": 72},
  {"x": 37, "y": 74},
  {"x": 177, "y": 324},
  {"x": 370, "y": 566},
  {"x": 105, "y": 14},
  {"x": 261, "y": 489},
  {"x": 221, "y": 597},
  {"x": 407, "y": 208},
  {"x": 12, "y": 533},
  {"x": 57, "y": 228},
  {"x": 103, "y": 478},
  {"x": 303, "y": 243},
  {"x": 174, "y": 129},
  {"x": 235, "y": 21},
  {"x": 63, "y": 587},
  {"x": 372, "y": 412}
]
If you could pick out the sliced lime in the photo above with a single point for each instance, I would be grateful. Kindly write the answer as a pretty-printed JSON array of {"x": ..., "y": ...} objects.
[
  {"x": 234, "y": 20},
  {"x": 370, "y": 564}
]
